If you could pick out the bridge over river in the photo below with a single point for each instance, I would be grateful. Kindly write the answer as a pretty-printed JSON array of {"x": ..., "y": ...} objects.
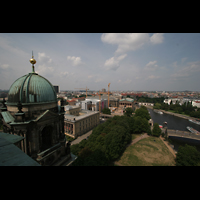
[{"x": 185, "y": 136}]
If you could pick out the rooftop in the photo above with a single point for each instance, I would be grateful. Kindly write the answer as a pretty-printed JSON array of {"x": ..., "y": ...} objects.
[
  {"x": 83, "y": 114},
  {"x": 127, "y": 99},
  {"x": 11, "y": 155}
]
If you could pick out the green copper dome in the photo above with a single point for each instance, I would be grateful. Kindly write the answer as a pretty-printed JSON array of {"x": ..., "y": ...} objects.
[{"x": 31, "y": 88}]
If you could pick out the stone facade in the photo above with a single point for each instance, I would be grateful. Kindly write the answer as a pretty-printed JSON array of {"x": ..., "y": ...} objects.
[
  {"x": 75, "y": 126},
  {"x": 32, "y": 112}
]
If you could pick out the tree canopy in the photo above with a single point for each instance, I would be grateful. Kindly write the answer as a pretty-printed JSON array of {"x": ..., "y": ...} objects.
[
  {"x": 187, "y": 156},
  {"x": 109, "y": 140},
  {"x": 142, "y": 112},
  {"x": 106, "y": 111},
  {"x": 128, "y": 112},
  {"x": 156, "y": 130}
]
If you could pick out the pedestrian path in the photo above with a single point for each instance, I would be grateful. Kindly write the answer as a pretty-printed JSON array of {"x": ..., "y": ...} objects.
[
  {"x": 170, "y": 149},
  {"x": 138, "y": 138},
  {"x": 82, "y": 137}
]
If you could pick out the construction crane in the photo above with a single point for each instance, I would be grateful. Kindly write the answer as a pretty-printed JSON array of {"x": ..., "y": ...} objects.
[
  {"x": 86, "y": 89},
  {"x": 108, "y": 94},
  {"x": 100, "y": 96}
]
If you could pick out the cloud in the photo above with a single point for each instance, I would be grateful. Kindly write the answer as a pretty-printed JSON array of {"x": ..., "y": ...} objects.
[
  {"x": 44, "y": 70},
  {"x": 64, "y": 74},
  {"x": 183, "y": 72},
  {"x": 151, "y": 66},
  {"x": 157, "y": 38},
  {"x": 4, "y": 66},
  {"x": 183, "y": 59},
  {"x": 98, "y": 80},
  {"x": 153, "y": 77},
  {"x": 43, "y": 58},
  {"x": 131, "y": 41},
  {"x": 90, "y": 76},
  {"x": 75, "y": 60},
  {"x": 113, "y": 62},
  {"x": 128, "y": 81}
]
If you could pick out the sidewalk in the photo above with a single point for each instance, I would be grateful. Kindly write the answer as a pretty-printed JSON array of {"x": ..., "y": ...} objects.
[
  {"x": 80, "y": 138},
  {"x": 170, "y": 149}
]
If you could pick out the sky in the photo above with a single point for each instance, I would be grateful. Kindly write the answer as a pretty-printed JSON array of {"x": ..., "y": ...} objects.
[{"x": 129, "y": 61}]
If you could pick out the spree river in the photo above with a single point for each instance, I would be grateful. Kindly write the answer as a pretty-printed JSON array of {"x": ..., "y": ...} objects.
[{"x": 173, "y": 122}]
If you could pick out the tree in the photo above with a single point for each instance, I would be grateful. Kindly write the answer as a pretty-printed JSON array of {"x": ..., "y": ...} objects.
[
  {"x": 115, "y": 142},
  {"x": 91, "y": 158},
  {"x": 187, "y": 156},
  {"x": 106, "y": 111},
  {"x": 128, "y": 112},
  {"x": 141, "y": 125},
  {"x": 156, "y": 130},
  {"x": 157, "y": 106},
  {"x": 142, "y": 112}
]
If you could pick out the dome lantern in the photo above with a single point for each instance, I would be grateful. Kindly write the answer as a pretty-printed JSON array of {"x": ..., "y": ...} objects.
[
  {"x": 31, "y": 88},
  {"x": 32, "y": 61}
]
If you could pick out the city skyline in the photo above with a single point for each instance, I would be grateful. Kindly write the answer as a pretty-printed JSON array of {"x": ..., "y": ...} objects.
[{"x": 135, "y": 61}]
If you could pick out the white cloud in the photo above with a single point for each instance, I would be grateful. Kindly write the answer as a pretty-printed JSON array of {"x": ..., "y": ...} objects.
[
  {"x": 125, "y": 41},
  {"x": 151, "y": 66},
  {"x": 44, "y": 70},
  {"x": 4, "y": 66},
  {"x": 43, "y": 58},
  {"x": 131, "y": 41},
  {"x": 113, "y": 62},
  {"x": 75, "y": 60},
  {"x": 151, "y": 63},
  {"x": 157, "y": 38}
]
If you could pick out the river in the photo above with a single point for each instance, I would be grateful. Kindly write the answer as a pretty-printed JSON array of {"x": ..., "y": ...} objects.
[{"x": 175, "y": 123}]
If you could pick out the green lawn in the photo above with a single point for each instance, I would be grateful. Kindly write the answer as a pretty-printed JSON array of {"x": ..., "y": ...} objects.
[{"x": 147, "y": 152}]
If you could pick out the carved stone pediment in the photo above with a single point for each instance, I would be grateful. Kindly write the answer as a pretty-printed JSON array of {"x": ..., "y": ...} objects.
[{"x": 46, "y": 115}]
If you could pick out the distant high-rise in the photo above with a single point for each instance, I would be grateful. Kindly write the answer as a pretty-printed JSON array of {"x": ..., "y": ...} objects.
[{"x": 56, "y": 87}]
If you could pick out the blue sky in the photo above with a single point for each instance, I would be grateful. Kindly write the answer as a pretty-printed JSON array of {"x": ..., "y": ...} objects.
[{"x": 129, "y": 61}]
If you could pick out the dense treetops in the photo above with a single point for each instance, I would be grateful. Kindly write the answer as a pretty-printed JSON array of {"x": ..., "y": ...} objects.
[
  {"x": 109, "y": 140},
  {"x": 187, "y": 156},
  {"x": 106, "y": 111}
]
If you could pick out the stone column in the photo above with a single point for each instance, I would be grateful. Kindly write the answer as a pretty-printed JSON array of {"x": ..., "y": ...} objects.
[{"x": 25, "y": 145}]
